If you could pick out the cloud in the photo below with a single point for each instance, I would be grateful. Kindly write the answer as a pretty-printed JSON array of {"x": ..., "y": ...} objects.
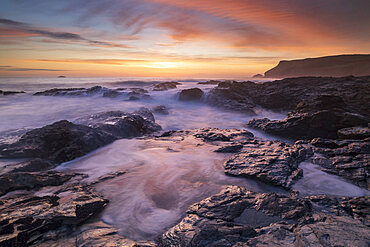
[
  {"x": 11, "y": 68},
  {"x": 15, "y": 28}
]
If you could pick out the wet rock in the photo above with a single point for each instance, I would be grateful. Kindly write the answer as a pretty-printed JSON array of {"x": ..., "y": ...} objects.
[
  {"x": 5, "y": 93},
  {"x": 354, "y": 133},
  {"x": 224, "y": 135},
  {"x": 272, "y": 162},
  {"x": 230, "y": 149},
  {"x": 96, "y": 90},
  {"x": 31, "y": 180},
  {"x": 223, "y": 219},
  {"x": 161, "y": 109},
  {"x": 122, "y": 125},
  {"x": 320, "y": 116},
  {"x": 164, "y": 86},
  {"x": 25, "y": 218},
  {"x": 346, "y": 158},
  {"x": 238, "y": 217},
  {"x": 192, "y": 94},
  {"x": 59, "y": 142}
]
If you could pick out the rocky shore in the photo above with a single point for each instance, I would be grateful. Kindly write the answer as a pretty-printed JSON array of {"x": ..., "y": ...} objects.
[{"x": 328, "y": 119}]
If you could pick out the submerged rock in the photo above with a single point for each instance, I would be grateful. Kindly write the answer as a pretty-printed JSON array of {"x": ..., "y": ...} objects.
[
  {"x": 272, "y": 162},
  {"x": 161, "y": 109},
  {"x": 192, "y": 94}
]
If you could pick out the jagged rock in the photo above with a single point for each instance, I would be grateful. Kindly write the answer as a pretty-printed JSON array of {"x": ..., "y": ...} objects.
[
  {"x": 164, "y": 86},
  {"x": 224, "y": 135},
  {"x": 238, "y": 217},
  {"x": 122, "y": 125},
  {"x": 272, "y": 162},
  {"x": 5, "y": 93},
  {"x": 354, "y": 133},
  {"x": 346, "y": 158},
  {"x": 96, "y": 90},
  {"x": 192, "y": 94},
  {"x": 25, "y": 218},
  {"x": 161, "y": 109},
  {"x": 233, "y": 216},
  {"x": 31, "y": 180},
  {"x": 59, "y": 142},
  {"x": 229, "y": 149}
]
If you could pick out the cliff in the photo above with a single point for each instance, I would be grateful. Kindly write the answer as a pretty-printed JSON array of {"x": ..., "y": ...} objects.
[{"x": 335, "y": 66}]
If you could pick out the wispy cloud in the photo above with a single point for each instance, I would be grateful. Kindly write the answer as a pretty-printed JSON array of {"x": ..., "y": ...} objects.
[
  {"x": 11, "y": 68},
  {"x": 23, "y": 29}
]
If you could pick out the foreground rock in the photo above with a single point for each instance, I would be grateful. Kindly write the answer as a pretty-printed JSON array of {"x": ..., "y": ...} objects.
[
  {"x": 354, "y": 133},
  {"x": 346, "y": 158},
  {"x": 238, "y": 217},
  {"x": 64, "y": 141},
  {"x": 164, "y": 86},
  {"x": 192, "y": 94},
  {"x": 272, "y": 162},
  {"x": 28, "y": 219}
]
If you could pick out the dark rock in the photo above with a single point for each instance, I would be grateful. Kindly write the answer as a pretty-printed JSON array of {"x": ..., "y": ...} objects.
[
  {"x": 5, "y": 93},
  {"x": 31, "y": 180},
  {"x": 346, "y": 158},
  {"x": 224, "y": 135},
  {"x": 164, "y": 86},
  {"x": 122, "y": 125},
  {"x": 354, "y": 133},
  {"x": 192, "y": 94},
  {"x": 96, "y": 90},
  {"x": 272, "y": 162},
  {"x": 161, "y": 109},
  {"x": 221, "y": 219},
  {"x": 230, "y": 149},
  {"x": 238, "y": 217},
  {"x": 59, "y": 142},
  {"x": 26, "y": 218}
]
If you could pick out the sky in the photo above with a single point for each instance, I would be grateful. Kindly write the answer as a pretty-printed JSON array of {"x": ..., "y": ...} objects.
[{"x": 174, "y": 38}]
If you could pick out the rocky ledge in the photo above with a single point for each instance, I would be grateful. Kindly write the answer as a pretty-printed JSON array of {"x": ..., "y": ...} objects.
[
  {"x": 164, "y": 86},
  {"x": 5, "y": 93},
  {"x": 238, "y": 217},
  {"x": 63, "y": 141}
]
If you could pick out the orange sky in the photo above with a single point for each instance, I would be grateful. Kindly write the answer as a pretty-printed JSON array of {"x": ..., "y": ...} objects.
[{"x": 174, "y": 38}]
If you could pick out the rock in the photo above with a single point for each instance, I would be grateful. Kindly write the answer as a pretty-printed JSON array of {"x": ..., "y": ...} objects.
[
  {"x": 346, "y": 158},
  {"x": 232, "y": 216},
  {"x": 161, "y": 109},
  {"x": 25, "y": 219},
  {"x": 164, "y": 86},
  {"x": 341, "y": 65},
  {"x": 322, "y": 116},
  {"x": 59, "y": 142},
  {"x": 230, "y": 149},
  {"x": 122, "y": 125},
  {"x": 96, "y": 90},
  {"x": 272, "y": 162},
  {"x": 354, "y": 133},
  {"x": 238, "y": 217},
  {"x": 223, "y": 135},
  {"x": 192, "y": 94},
  {"x": 31, "y": 180},
  {"x": 5, "y": 93}
]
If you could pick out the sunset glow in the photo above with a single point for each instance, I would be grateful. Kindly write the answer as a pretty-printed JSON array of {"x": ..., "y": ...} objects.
[{"x": 174, "y": 38}]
